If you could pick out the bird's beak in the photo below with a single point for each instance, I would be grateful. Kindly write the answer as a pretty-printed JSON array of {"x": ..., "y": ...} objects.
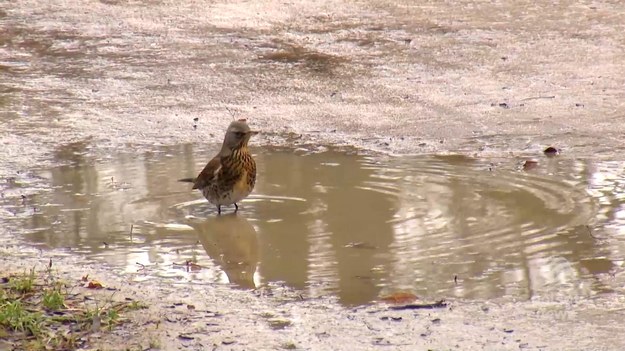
[{"x": 253, "y": 132}]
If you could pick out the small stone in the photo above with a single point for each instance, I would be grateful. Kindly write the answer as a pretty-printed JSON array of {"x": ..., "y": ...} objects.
[{"x": 551, "y": 151}]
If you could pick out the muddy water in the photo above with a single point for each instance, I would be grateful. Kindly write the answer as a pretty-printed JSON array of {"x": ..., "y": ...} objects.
[{"x": 336, "y": 222}]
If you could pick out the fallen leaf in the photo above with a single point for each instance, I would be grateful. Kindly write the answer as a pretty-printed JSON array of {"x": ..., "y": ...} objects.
[
  {"x": 530, "y": 164},
  {"x": 399, "y": 297},
  {"x": 85, "y": 278},
  {"x": 94, "y": 284},
  {"x": 193, "y": 267}
]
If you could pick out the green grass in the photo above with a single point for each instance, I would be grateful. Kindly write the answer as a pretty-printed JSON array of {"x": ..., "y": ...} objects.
[
  {"x": 14, "y": 316},
  {"x": 23, "y": 284},
  {"x": 38, "y": 313},
  {"x": 53, "y": 300}
]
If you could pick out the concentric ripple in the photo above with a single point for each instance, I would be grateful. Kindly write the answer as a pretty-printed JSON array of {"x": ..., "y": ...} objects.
[
  {"x": 341, "y": 223},
  {"x": 458, "y": 218}
]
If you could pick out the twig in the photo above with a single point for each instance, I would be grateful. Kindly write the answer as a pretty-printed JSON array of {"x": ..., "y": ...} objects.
[
  {"x": 424, "y": 306},
  {"x": 231, "y": 112},
  {"x": 539, "y": 97}
]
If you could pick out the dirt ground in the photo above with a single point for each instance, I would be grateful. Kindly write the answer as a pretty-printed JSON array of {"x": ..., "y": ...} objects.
[
  {"x": 472, "y": 77},
  {"x": 215, "y": 317},
  {"x": 276, "y": 318}
]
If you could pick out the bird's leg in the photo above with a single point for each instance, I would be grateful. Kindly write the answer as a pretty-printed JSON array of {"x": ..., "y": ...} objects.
[
  {"x": 218, "y": 209},
  {"x": 236, "y": 207}
]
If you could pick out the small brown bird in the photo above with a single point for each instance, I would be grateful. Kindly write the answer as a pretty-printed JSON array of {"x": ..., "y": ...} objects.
[{"x": 230, "y": 176}]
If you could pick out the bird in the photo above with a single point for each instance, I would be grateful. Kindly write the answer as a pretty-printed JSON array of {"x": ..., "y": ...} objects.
[{"x": 230, "y": 176}]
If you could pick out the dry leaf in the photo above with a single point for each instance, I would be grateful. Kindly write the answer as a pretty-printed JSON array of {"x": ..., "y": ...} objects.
[
  {"x": 193, "y": 267},
  {"x": 530, "y": 164},
  {"x": 94, "y": 284}
]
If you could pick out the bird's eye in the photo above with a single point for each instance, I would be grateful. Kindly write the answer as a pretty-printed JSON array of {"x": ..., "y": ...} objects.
[{"x": 239, "y": 134}]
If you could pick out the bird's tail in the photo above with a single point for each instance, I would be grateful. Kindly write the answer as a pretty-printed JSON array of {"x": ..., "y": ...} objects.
[{"x": 187, "y": 180}]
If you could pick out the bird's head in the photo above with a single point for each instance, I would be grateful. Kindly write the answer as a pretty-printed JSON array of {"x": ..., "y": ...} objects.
[{"x": 237, "y": 135}]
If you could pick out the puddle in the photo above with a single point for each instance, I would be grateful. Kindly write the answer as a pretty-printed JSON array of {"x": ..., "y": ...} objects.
[{"x": 338, "y": 223}]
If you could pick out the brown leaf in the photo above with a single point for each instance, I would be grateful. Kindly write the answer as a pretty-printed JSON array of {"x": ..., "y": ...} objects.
[
  {"x": 94, "y": 284},
  {"x": 529, "y": 164},
  {"x": 399, "y": 297},
  {"x": 193, "y": 267}
]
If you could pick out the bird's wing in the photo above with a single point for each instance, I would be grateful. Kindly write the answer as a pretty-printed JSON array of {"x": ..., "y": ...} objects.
[{"x": 208, "y": 174}]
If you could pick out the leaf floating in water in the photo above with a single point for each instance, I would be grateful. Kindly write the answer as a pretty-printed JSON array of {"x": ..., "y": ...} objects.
[
  {"x": 529, "y": 164},
  {"x": 551, "y": 151},
  {"x": 399, "y": 297}
]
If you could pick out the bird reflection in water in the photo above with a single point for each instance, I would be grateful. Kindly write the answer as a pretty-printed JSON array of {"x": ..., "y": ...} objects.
[{"x": 231, "y": 241}]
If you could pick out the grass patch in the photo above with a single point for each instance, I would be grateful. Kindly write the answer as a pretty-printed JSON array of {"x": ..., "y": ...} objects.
[
  {"x": 53, "y": 300},
  {"x": 40, "y": 312},
  {"x": 24, "y": 283}
]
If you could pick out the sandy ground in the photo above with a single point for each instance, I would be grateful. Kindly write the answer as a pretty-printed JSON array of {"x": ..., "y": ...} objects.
[
  {"x": 401, "y": 77},
  {"x": 466, "y": 76}
]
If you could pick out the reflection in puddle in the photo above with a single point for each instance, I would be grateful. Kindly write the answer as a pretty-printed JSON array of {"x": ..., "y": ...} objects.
[
  {"x": 334, "y": 222},
  {"x": 232, "y": 242}
]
